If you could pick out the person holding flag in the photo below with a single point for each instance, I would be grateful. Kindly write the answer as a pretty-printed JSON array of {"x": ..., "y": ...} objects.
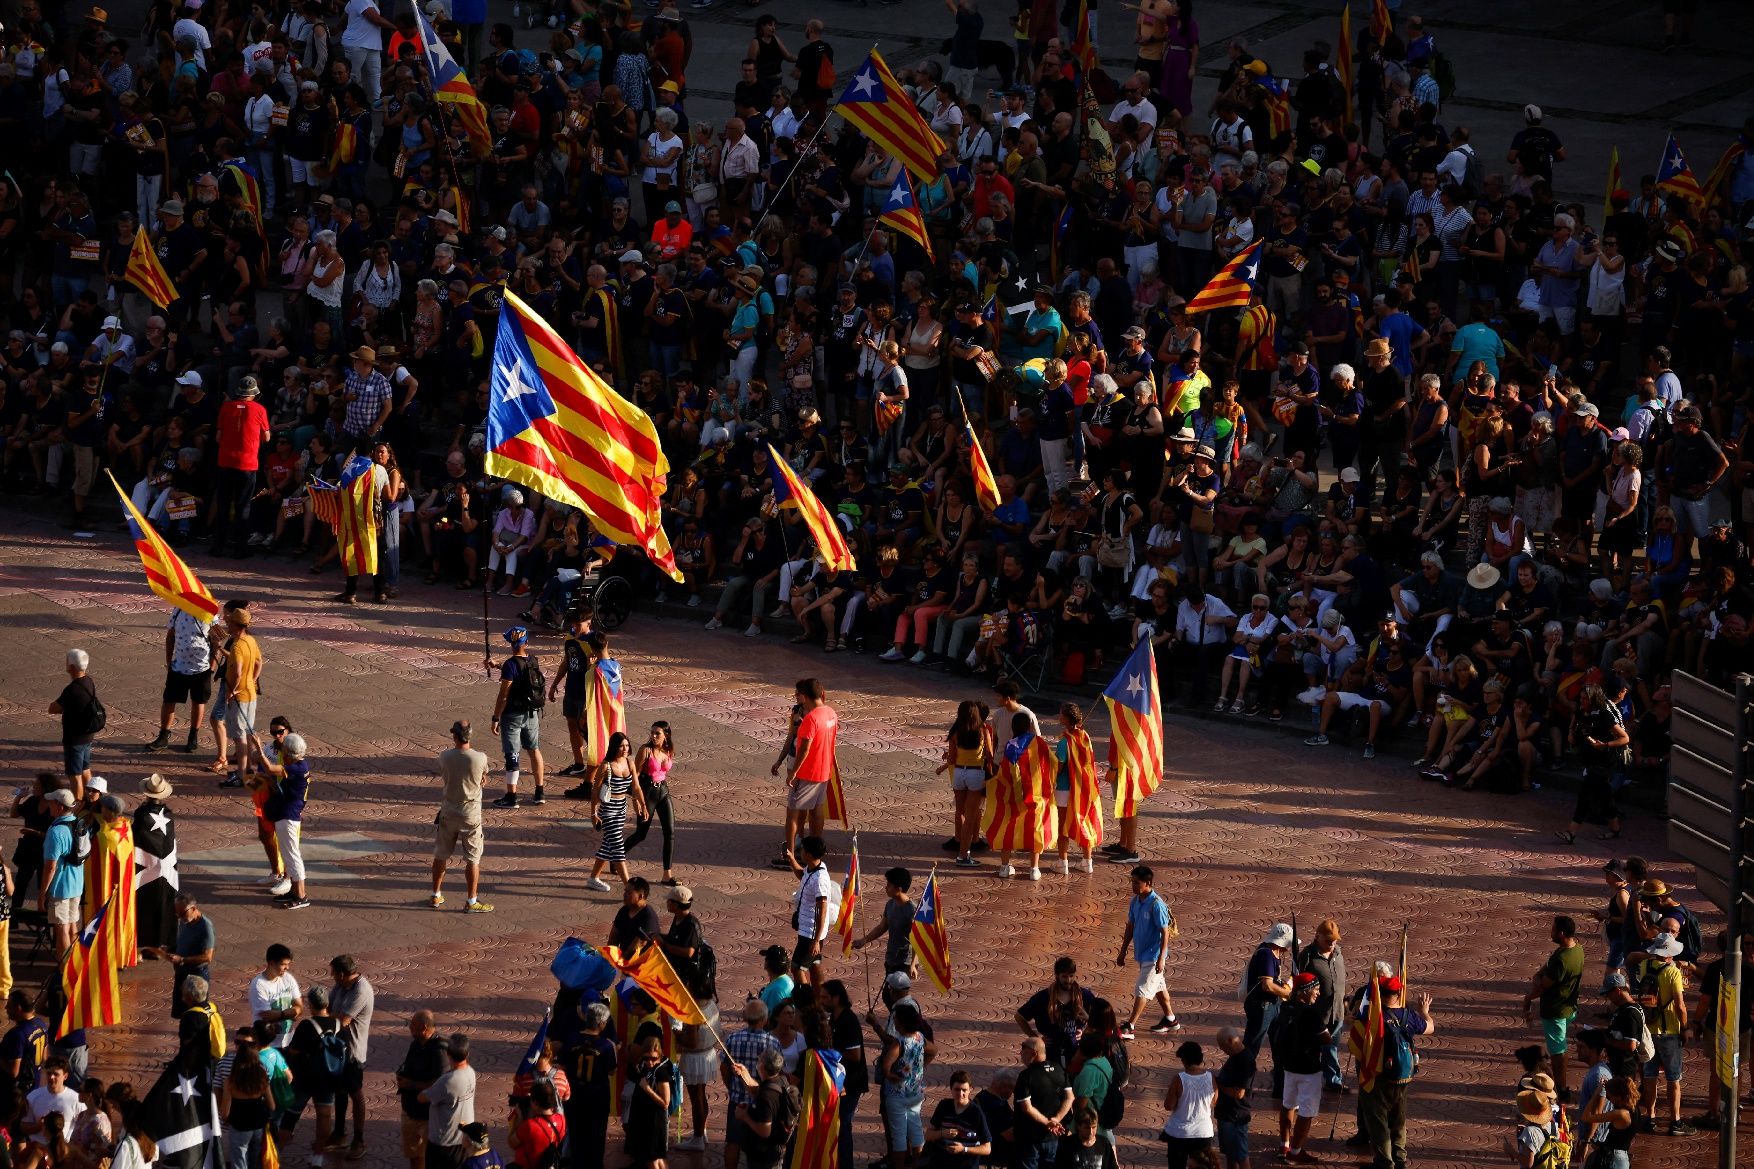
[
  {"x": 896, "y": 924},
  {"x": 1075, "y": 790},
  {"x": 819, "y": 907},
  {"x": 813, "y": 768},
  {"x": 1021, "y": 814},
  {"x": 1382, "y": 1041},
  {"x": 1135, "y": 750}
]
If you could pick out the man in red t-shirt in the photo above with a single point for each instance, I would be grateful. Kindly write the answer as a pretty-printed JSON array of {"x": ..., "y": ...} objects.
[
  {"x": 243, "y": 430},
  {"x": 813, "y": 765},
  {"x": 544, "y": 1129}
]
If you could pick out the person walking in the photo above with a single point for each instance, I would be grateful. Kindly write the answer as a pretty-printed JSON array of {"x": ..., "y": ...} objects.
[
  {"x": 246, "y": 1103},
  {"x": 517, "y": 714},
  {"x": 284, "y": 807},
  {"x": 652, "y": 763},
  {"x": 818, "y": 908},
  {"x": 896, "y": 924},
  {"x": 612, "y": 787},
  {"x": 242, "y": 675},
  {"x": 188, "y": 660},
  {"x": 1150, "y": 929},
  {"x": 458, "y": 823}
]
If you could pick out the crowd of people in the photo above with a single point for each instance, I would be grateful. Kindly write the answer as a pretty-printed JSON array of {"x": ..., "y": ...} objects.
[{"x": 1469, "y": 467}]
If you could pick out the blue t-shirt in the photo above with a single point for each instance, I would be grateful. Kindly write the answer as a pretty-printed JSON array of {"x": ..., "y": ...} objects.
[
  {"x": 1399, "y": 330},
  {"x": 58, "y": 846},
  {"x": 1266, "y": 963},
  {"x": 1476, "y": 341},
  {"x": 1149, "y": 917},
  {"x": 287, "y": 800}
]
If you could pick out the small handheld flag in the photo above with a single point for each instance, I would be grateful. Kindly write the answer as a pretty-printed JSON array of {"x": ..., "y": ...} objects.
[
  {"x": 902, "y": 212},
  {"x": 451, "y": 86},
  {"x": 986, "y": 488},
  {"x": 930, "y": 934},
  {"x": 1613, "y": 184},
  {"x": 849, "y": 900},
  {"x": 166, "y": 574},
  {"x": 877, "y": 104},
  {"x": 1343, "y": 56},
  {"x": 1675, "y": 176},
  {"x": 1234, "y": 284},
  {"x": 147, "y": 274}
]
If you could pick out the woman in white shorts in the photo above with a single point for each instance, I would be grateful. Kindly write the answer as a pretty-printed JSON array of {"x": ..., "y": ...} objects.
[{"x": 968, "y": 753}]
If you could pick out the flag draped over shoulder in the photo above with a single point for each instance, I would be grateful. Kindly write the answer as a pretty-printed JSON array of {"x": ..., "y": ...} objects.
[
  {"x": 348, "y": 507},
  {"x": 930, "y": 934},
  {"x": 451, "y": 86},
  {"x": 605, "y": 714},
  {"x": 1675, "y": 176},
  {"x": 849, "y": 900},
  {"x": 651, "y": 972},
  {"x": 156, "y": 880},
  {"x": 166, "y": 574},
  {"x": 147, "y": 274},
  {"x": 816, "y": 1143},
  {"x": 181, "y": 1115},
  {"x": 877, "y": 104},
  {"x": 1726, "y": 163},
  {"x": 109, "y": 880},
  {"x": 1366, "y": 1038},
  {"x": 791, "y": 491},
  {"x": 556, "y": 427},
  {"x": 1135, "y": 715},
  {"x": 1084, "y": 799},
  {"x": 986, "y": 488},
  {"x": 1020, "y": 807},
  {"x": 89, "y": 977},
  {"x": 525, "y": 1076},
  {"x": 1233, "y": 285},
  {"x": 902, "y": 212}
]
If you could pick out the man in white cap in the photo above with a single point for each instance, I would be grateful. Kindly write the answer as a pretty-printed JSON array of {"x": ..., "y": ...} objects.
[
  {"x": 111, "y": 348},
  {"x": 1535, "y": 148},
  {"x": 63, "y": 876},
  {"x": 1269, "y": 980}
]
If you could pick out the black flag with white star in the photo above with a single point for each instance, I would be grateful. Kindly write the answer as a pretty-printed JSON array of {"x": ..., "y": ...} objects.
[
  {"x": 181, "y": 1115},
  {"x": 155, "y": 874}
]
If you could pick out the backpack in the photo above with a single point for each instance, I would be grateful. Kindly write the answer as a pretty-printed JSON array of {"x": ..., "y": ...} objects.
[
  {"x": 1555, "y": 1150},
  {"x": 1113, "y": 1108},
  {"x": 1692, "y": 941},
  {"x": 824, "y": 72},
  {"x": 551, "y": 1155},
  {"x": 705, "y": 973},
  {"x": 529, "y": 691},
  {"x": 781, "y": 1136},
  {"x": 1647, "y": 1046},
  {"x": 98, "y": 719},
  {"x": 1473, "y": 173},
  {"x": 215, "y": 1029},
  {"x": 80, "y": 852},
  {"x": 330, "y": 1062},
  {"x": 1400, "y": 1060},
  {"x": 1660, "y": 429}
]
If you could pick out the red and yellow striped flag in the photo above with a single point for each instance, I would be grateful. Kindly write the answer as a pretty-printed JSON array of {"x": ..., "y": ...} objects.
[
  {"x": 1135, "y": 716},
  {"x": 877, "y": 104},
  {"x": 930, "y": 934},
  {"x": 1084, "y": 799},
  {"x": 1083, "y": 45},
  {"x": 166, "y": 574},
  {"x": 147, "y": 274},
  {"x": 816, "y": 1142},
  {"x": 986, "y": 488},
  {"x": 1613, "y": 184},
  {"x": 1381, "y": 23},
  {"x": 1343, "y": 56},
  {"x": 109, "y": 879},
  {"x": 902, "y": 212},
  {"x": 347, "y": 507},
  {"x": 557, "y": 428},
  {"x": 849, "y": 899},
  {"x": 605, "y": 713},
  {"x": 835, "y": 799},
  {"x": 651, "y": 972},
  {"x": 790, "y": 491},
  {"x": 1021, "y": 815},
  {"x": 1366, "y": 1038},
  {"x": 89, "y": 977}
]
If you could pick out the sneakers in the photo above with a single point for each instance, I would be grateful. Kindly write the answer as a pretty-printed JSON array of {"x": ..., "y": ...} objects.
[
  {"x": 1003, "y": 872},
  {"x": 159, "y": 743},
  {"x": 1370, "y": 750},
  {"x": 536, "y": 798},
  {"x": 1316, "y": 740},
  {"x": 579, "y": 791},
  {"x": 296, "y": 903},
  {"x": 919, "y": 658},
  {"x": 778, "y": 612},
  {"x": 694, "y": 601},
  {"x": 509, "y": 800},
  {"x": 1035, "y": 874},
  {"x": 1125, "y": 856},
  {"x": 754, "y": 630},
  {"x": 477, "y": 907},
  {"x": 1166, "y": 1026},
  {"x": 271, "y": 879},
  {"x": 892, "y": 654},
  {"x": 281, "y": 887},
  {"x": 692, "y": 1144},
  {"x": 597, "y": 885},
  {"x": 1065, "y": 866},
  {"x": 1089, "y": 865},
  {"x": 1302, "y": 1157},
  {"x": 1126, "y": 1032},
  {"x": 572, "y": 769},
  {"x": 232, "y": 779},
  {"x": 951, "y": 845},
  {"x": 437, "y": 901},
  {"x": 715, "y": 623},
  {"x": 967, "y": 862},
  {"x": 1680, "y": 1128}
]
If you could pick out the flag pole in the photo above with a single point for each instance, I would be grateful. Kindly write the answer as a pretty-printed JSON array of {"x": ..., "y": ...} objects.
[
  {"x": 486, "y": 642},
  {"x": 1403, "y": 972},
  {"x": 767, "y": 212}
]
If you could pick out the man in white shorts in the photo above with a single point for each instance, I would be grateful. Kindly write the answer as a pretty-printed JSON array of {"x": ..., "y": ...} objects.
[
  {"x": 1150, "y": 928},
  {"x": 1301, "y": 1037}
]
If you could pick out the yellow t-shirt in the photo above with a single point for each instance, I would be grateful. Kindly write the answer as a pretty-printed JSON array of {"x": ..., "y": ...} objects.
[
  {"x": 241, "y": 667},
  {"x": 1671, "y": 986}
]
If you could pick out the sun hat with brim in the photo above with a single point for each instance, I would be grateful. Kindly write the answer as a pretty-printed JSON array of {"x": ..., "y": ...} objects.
[
  {"x": 1482, "y": 576},
  {"x": 1185, "y": 434},
  {"x": 1280, "y": 936},
  {"x": 364, "y": 353},
  {"x": 1205, "y": 452},
  {"x": 61, "y": 796},
  {"x": 1653, "y": 887},
  {"x": 681, "y": 895},
  {"x": 1533, "y": 1107},
  {"x": 1378, "y": 348},
  {"x": 156, "y": 786},
  {"x": 1665, "y": 946}
]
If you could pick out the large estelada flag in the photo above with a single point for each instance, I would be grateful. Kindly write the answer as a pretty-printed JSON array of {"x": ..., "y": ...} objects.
[
  {"x": 629, "y": 1021},
  {"x": 791, "y": 491},
  {"x": 1084, "y": 799},
  {"x": 816, "y": 1141},
  {"x": 1366, "y": 1038},
  {"x": 451, "y": 86},
  {"x": 109, "y": 881},
  {"x": 156, "y": 880},
  {"x": 1021, "y": 815},
  {"x": 849, "y": 900},
  {"x": 1135, "y": 716},
  {"x": 1233, "y": 284},
  {"x": 879, "y": 105},
  {"x": 347, "y": 507},
  {"x": 147, "y": 274},
  {"x": 902, "y": 211},
  {"x": 1675, "y": 176},
  {"x": 930, "y": 934},
  {"x": 181, "y": 1115},
  {"x": 525, "y": 1077},
  {"x": 166, "y": 574},
  {"x": 605, "y": 713},
  {"x": 557, "y": 428},
  {"x": 644, "y": 962},
  {"x": 1278, "y": 103},
  {"x": 89, "y": 977}
]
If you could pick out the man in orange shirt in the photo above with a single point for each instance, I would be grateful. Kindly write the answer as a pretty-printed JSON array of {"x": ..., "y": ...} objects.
[
  {"x": 812, "y": 765},
  {"x": 672, "y": 234}
]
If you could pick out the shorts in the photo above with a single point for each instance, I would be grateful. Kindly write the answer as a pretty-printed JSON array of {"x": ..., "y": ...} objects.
[
  {"x": 1303, "y": 1093},
  {"x": 413, "y": 1138},
  {"x": 180, "y": 688},
  {"x": 1558, "y": 1033},
  {"x": 736, "y": 1132},
  {"x": 1667, "y": 1059},
  {"x": 216, "y": 712},
  {"x": 84, "y": 469},
  {"x": 802, "y": 958},
  {"x": 571, "y": 707},
  {"x": 240, "y": 717},
  {"x": 519, "y": 729},
  {"x": 968, "y": 779},
  {"x": 1150, "y": 982},
  {"x": 64, "y": 911},
  {"x": 905, "y": 1130},
  {"x": 804, "y": 796},
  {"x": 289, "y": 1118},
  {"x": 450, "y": 832},
  {"x": 76, "y": 758},
  {"x": 1233, "y": 1140}
]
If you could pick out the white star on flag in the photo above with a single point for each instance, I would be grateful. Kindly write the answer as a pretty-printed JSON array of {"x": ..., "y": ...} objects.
[
  {"x": 516, "y": 386},
  {"x": 150, "y": 868},
  {"x": 1135, "y": 684},
  {"x": 161, "y": 820},
  {"x": 865, "y": 84},
  {"x": 185, "y": 1088},
  {"x": 897, "y": 197}
]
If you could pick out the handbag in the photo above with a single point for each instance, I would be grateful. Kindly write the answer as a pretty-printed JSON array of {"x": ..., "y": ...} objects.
[
  {"x": 1202, "y": 521},
  {"x": 1112, "y": 552},
  {"x": 704, "y": 193},
  {"x": 988, "y": 364}
]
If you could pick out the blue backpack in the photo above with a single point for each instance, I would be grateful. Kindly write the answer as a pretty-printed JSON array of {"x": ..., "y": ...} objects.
[{"x": 1399, "y": 1060}]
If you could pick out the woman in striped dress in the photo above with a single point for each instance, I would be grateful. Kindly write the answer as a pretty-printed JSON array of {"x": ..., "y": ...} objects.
[{"x": 612, "y": 789}]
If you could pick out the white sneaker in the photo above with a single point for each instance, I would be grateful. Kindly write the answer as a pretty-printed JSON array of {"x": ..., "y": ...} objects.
[
  {"x": 1065, "y": 866},
  {"x": 919, "y": 658},
  {"x": 596, "y": 885},
  {"x": 1003, "y": 872},
  {"x": 282, "y": 888},
  {"x": 1035, "y": 874},
  {"x": 778, "y": 612},
  {"x": 694, "y": 601},
  {"x": 715, "y": 623},
  {"x": 753, "y": 631},
  {"x": 270, "y": 879},
  {"x": 692, "y": 1145},
  {"x": 1089, "y": 864},
  {"x": 892, "y": 654}
]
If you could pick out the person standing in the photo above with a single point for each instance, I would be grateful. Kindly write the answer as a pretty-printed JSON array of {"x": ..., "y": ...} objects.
[
  {"x": 191, "y": 953},
  {"x": 418, "y": 1071},
  {"x": 590, "y": 1069},
  {"x": 1299, "y": 1040},
  {"x": 1189, "y": 1098},
  {"x": 896, "y": 924},
  {"x": 451, "y": 1105},
  {"x": 575, "y": 675},
  {"x": 1662, "y": 992},
  {"x": 849, "y": 1039},
  {"x": 458, "y": 824},
  {"x": 1324, "y": 959},
  {"x": 243, "y": 430},
  {"x": 351, "y": 1001},
  {"x": 82, "y": 717},
  {"x": 1044, "y": 1097},
  {"x": 63, "y": 880},
  {"x": 284, "y": 808},
  {"x": 818, "y": 908},
  {"x": 517, "y": 714},
  {"x": 242, "y": 683},
  {"x": 1556, "y": 985},
  {"x": 275, "y": 999},
  {"x": 812, "y": 767},
  {"x": 363, "y": 41},
  {"x": 1269, "y": 984},
  {"x": 1150, "y": 928},
  {"x": 188, "y": 659},
  {"x": 1383, "y": 1107}
]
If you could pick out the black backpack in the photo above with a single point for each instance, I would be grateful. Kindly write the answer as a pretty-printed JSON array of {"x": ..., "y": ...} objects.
[
  {"x": 1113, "y": 1108},
  {"x": 530, "y": 690},
  {"x": 98, "y": 718}
]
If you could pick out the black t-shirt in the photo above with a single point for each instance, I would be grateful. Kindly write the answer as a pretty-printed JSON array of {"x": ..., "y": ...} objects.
[
  {"x": 849, "y": 1037},
  {"x": 631, "y": 925},
  {"x": 1625, "y": 1025},
  {"x": 1000, "y": 1118},
  {"x": 423, "y": 1064},
  {"x": 1299, "y": 1044},
  {"x": 970, "y": 1126},
  {"x": 776, "y": 1102},
  {"x": 1238, "y": 1072},
  {"x": 1044, "y": 1085},
  {"x": 77, "y": 699}
]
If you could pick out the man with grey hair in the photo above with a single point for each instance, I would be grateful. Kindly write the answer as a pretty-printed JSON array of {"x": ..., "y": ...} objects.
[
  {"x": 746, "y": 1049},
  {"x": 82, "y": 717},
  {"x": 772, "y": 1112},
  {"x": 590, "y": 1067},
  {"x": 311, "y": 1084},
  {"x": 451, "y": 1103},
  {"x": 1558, "y": 271}
]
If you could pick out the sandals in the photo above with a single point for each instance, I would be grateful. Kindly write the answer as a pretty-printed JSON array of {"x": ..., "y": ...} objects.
[
  {"x": 1612, "y": 834},
  {"x": 1565, "y": 837},
  {"x": 800, "y": 639},
  {"x": 830, "y": 646},
  {"x": 432, "y": 578}
]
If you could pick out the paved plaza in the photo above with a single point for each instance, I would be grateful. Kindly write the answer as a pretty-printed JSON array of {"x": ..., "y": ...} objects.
[{"x": 1249, "y": 827}]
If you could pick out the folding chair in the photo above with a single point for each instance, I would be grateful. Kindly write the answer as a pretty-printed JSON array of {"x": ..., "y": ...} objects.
[{"x": 1031, "y": 668}]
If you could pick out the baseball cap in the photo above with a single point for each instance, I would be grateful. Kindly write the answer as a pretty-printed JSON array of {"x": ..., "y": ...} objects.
[
  {"x": 897, "y": 980},
  {"x": 632, "y": 256},
  {"x": 672, "y": 208},
  {"x": 1531, "y": 113},
  {"x": 60, "y": 796},
  {"x": 1616, "y": 979}
]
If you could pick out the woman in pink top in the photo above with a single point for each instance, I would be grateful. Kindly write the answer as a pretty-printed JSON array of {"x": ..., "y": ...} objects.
[{"x": 653, "y": 763}]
